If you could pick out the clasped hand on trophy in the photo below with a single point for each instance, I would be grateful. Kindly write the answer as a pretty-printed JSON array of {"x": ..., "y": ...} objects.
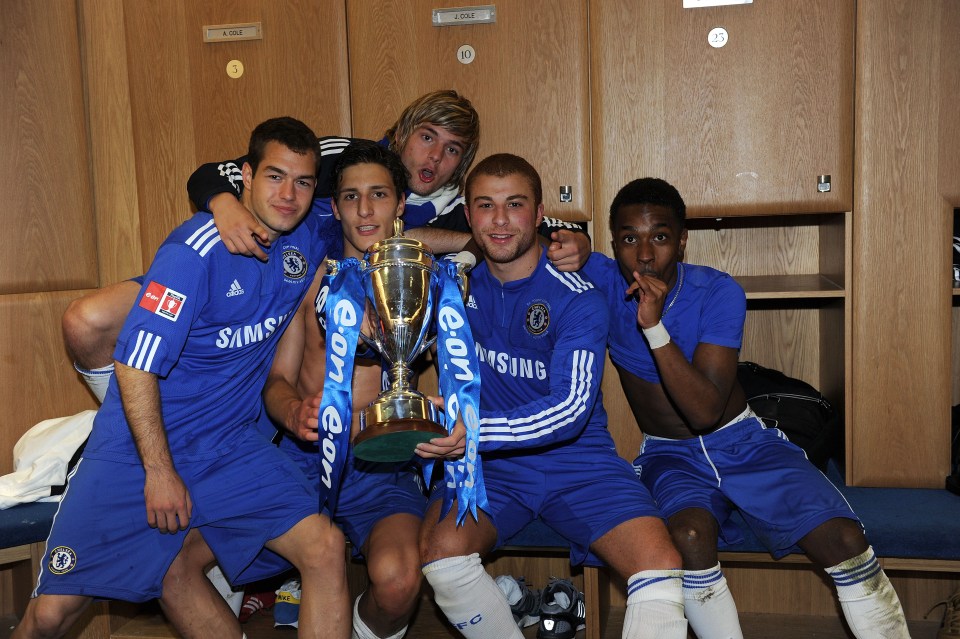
[
  {"x": 453, "y": 446},
  {"x": 304, "y": 423}
]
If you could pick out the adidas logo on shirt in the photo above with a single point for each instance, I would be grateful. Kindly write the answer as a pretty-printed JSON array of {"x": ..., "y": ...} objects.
[
  {"x": 471, "y": 303},
  {"x": 235, "y": 289}
]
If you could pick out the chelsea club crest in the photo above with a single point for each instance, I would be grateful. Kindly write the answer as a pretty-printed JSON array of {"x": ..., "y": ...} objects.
[
  {"x": 538, "y": 318},
  {"x": 62, "y": 560},
  {"x": 294, "y": 264}
]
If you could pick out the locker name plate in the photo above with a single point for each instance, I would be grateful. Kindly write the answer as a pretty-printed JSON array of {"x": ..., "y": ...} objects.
[
  {"x": 453, "y": 16},
  {"x": 229, "y": 32}
]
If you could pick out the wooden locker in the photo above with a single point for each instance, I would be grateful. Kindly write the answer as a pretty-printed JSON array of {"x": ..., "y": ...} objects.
[
  {"x": 528, "y": 81},
  {"x": 740, "y": 129},
  {"x": 188, "y": 110},
  {"x": 45, "y": 184}
]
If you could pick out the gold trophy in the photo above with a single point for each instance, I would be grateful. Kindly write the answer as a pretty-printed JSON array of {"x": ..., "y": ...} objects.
[{"x": 400, "y": 281}]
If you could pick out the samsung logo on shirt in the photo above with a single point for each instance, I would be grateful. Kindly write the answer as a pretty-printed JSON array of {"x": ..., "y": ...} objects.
[
  {"x": 504, "y": 364},
  {"x": 240, "y": 336}
]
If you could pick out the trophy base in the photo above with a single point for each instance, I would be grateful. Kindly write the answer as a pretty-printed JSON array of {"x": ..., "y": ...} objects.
[
  {"x": 393, "y": 425},
  {"x": 394, "y": 441}
]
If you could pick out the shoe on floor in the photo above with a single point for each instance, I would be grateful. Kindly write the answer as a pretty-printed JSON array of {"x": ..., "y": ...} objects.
[
  {"x": 562, "y": 610},
  {"x": 524, "y": 602},
  {"x": 256, "y": 602},
  {"x": 286, "y": 610},
  {"x": 950, "y": 626}
]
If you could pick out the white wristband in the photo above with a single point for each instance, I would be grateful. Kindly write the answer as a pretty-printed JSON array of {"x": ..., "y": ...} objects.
[{"x": 657, "y": 336}]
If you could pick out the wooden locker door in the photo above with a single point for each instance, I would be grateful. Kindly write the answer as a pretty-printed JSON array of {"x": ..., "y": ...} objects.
[
  {"x": 188, "y": 110},
  {"x": 48, "y": 214},
  {"x": 45, "y": 185},
  {"x": 742, "y": 129},
  {"x": 528, "y": 80}
]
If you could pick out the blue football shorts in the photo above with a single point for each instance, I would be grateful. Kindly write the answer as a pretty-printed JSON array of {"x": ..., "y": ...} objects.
[
  {"x": 748, "y": 467},
  {"x": 101, "y": 546},
  {"x": 369, "y": 491},
  {"x": 581, "y": 491}
]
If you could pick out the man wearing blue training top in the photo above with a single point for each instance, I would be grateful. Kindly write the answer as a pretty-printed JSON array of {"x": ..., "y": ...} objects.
[
  {"x": 540, "y": 337},
  {"x": 174, "y": 452},
  {"x": 675, "y": 337}
]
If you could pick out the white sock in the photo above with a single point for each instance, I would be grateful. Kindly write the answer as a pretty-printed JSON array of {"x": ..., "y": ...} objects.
[
  {"x": 709, "y": 606},
  {"x": 655, "y": 606},
  {"x": 97, "y": 379},
  {"x": 360, "y": 629},
  {"x": 470, "y": 599},
  {"x": 234, "y": 598},
  {"x": 869, "y": 603}
]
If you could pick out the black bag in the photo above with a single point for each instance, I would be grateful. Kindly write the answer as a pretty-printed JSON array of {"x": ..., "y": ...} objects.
[
  {"x": 796, "y": 408},
  {"x": 953, "y": 479}
]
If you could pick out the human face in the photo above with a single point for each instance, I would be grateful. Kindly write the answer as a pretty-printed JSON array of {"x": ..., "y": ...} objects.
[
  {"x": 648, "y": 240},
  {"x": 431, "y": 155},
  {"x": 504, "y": 217},
  {"x": 366, "y": 204},
  {"x": 280, "y": 193}
]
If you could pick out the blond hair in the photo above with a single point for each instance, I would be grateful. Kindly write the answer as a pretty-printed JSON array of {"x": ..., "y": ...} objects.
[{"x": 445, "y": 108}]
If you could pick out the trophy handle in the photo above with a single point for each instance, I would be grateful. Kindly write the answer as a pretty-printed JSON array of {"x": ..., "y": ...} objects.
[
  {"x": 376, "y": 345},
  {"x": 427, "y": 343},
  {"x": 464, "y": 261},
  {"x": 463, "y": 281}
]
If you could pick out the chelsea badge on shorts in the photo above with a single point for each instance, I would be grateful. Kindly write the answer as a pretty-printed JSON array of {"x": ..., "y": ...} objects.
[
  {"x": 294, "y": 264},
  {"x": 62, "y": 560},
  {"x": 538, "y": 318}
]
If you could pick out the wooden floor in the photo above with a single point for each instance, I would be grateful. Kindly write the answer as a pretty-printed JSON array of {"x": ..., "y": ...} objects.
[{"x": 754, "y": 627}]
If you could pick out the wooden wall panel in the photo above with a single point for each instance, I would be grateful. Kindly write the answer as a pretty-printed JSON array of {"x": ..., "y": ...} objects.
[
  {"x": 186, "y": 110},
  {"x": 112, "y": 160},
  {"x": 298, "y": 69},
  {"x": 44, "y": 181},
  {"x": 163, "y": 125},
  {"x": 740, "y": 130},
  {"x": 789, "y": 245},
  {"x": 901, "y": 311},
  {"x": 39, "y": 380},
  {"x": 528, "y": 81}
]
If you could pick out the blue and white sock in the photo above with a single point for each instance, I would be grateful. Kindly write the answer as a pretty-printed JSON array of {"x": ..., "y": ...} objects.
[
  {"x": 709, "y": 606},
  {"x": 655, "y": 606},
  {"x": 97, "y": 379},
  {"x": 869, "y": 603},
  {"x": 470, "y": 599}
]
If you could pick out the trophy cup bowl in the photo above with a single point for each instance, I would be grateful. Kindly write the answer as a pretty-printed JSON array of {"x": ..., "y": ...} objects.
[{"x": 399, "y": 281}]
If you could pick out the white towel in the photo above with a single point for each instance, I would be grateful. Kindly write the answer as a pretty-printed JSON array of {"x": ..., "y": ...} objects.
[{"x": 41, "y": 456}]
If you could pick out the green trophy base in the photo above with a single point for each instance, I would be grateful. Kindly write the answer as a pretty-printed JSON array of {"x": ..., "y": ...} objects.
[
  {"x": 393, "y": 425},
  {"x": 388, "y": 445}
]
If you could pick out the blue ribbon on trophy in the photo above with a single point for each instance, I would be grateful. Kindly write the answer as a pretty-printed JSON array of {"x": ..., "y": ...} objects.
[
  {"x": 399, "y": 283},
  {"x": 459, "y": 380},
  {"x": 343, "y": 300}
]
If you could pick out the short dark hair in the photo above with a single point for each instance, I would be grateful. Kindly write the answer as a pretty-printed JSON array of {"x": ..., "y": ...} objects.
[
  {"x": 290, "y": 132},
  {"x": 502, "y": 165},
  {"x": 649, "y": 190},
  {"x": 367, "y": 152},
  {"x": 445, "y": 108}
]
